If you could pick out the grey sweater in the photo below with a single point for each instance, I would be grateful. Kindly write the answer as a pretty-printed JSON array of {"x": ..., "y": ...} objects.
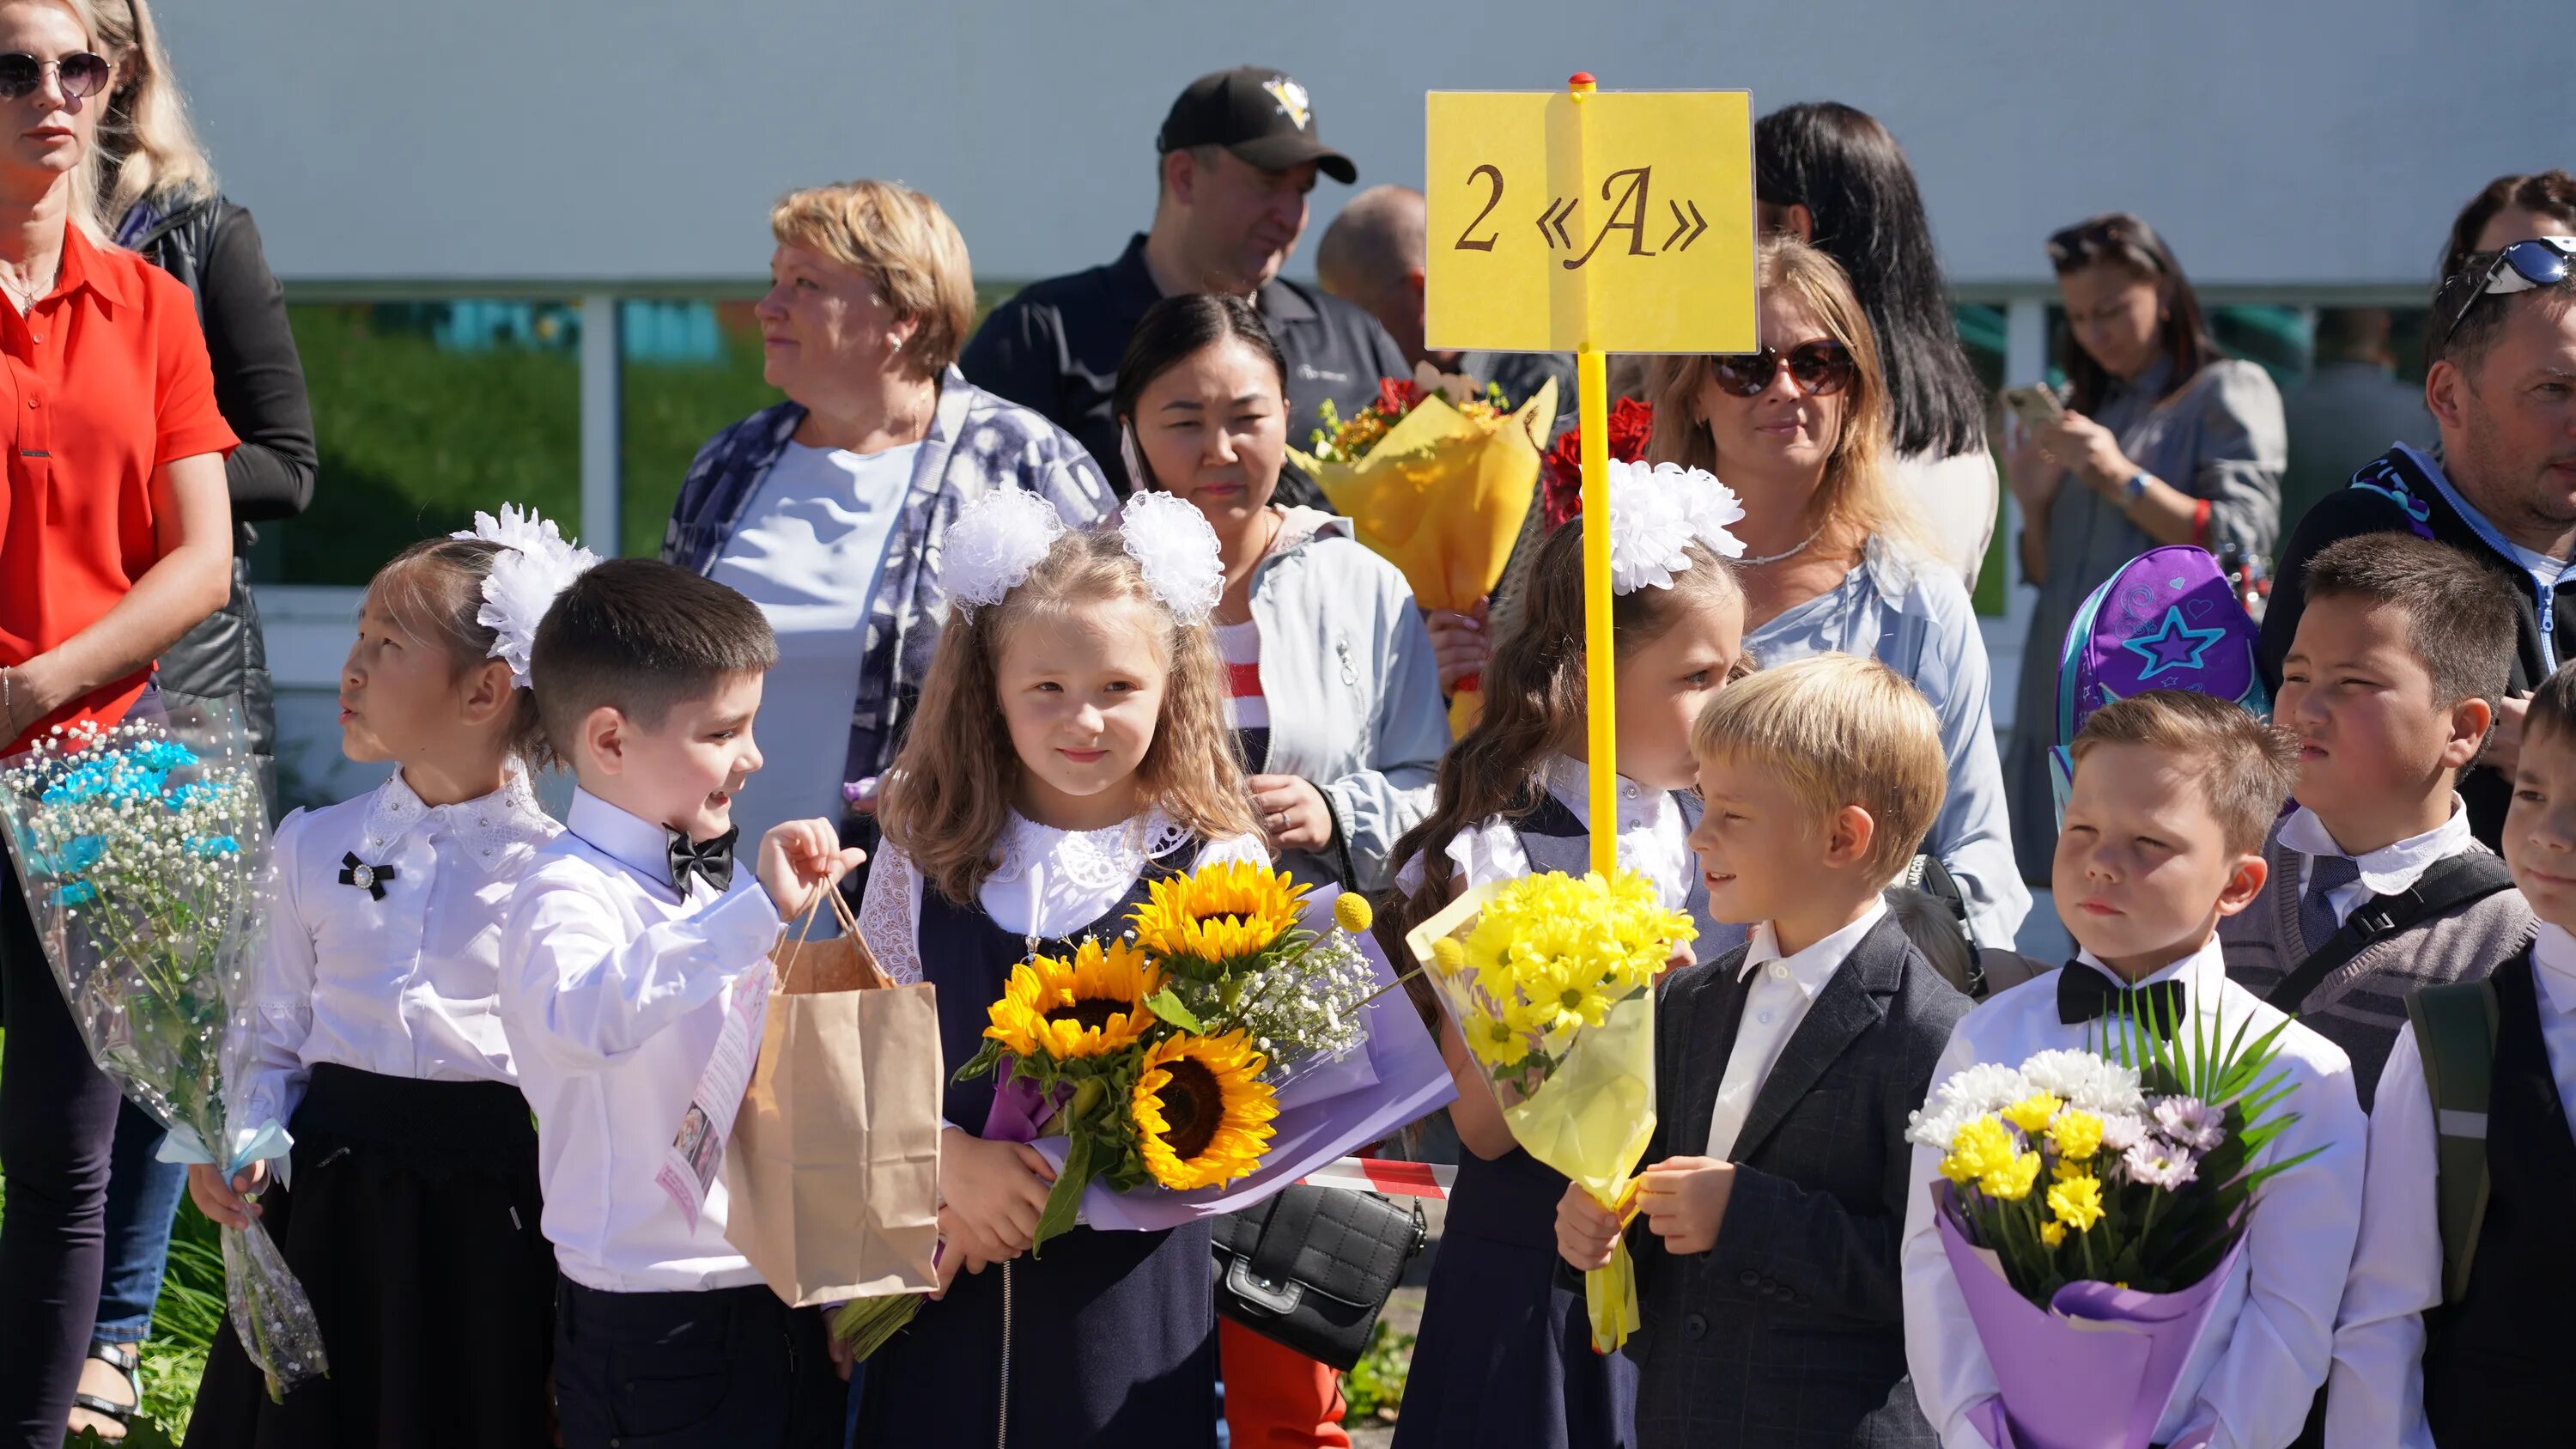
[{"x": 2362, "y": 1004}]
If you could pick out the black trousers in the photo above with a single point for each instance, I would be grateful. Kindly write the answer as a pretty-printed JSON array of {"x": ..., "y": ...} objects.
[
  {"x": 732, "y": 1368},
  {"x": 57, "y": 1129}
]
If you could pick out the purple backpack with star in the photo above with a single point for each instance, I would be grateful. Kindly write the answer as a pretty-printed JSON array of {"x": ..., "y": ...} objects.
[{"x": 2167, "y": 619}]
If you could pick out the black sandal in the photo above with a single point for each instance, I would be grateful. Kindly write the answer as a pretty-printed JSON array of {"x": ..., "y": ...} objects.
[{"x": 126, "y": 1359}]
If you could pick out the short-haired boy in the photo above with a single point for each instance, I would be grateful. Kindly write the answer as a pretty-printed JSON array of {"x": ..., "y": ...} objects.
[
  {"x": 630, "y": 943},
  {"x": 2162, "y": 839},
  {"x": 2376, "y": 888},
  {"x": 1784, "y": 1073},
  {"x": 2486, "y": 1364}
]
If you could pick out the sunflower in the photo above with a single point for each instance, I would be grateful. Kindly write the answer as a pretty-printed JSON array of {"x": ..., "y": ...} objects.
[
  {"x": 1202, "y": 1113},
  {"x": 1222, "y": 915},
  {"x": 1090, "y": 1006}
]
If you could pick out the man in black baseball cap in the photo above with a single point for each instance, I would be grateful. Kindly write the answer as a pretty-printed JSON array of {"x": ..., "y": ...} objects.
[{"x": 1237, "y": 154}]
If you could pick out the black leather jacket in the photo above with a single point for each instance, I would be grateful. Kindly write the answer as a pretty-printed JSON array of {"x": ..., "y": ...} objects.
[{"x": 213, "y": 246}]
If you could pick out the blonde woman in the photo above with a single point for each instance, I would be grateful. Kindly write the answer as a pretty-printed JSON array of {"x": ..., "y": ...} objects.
[
  {"x": 115, "y": 538},
  {"x": 831, "y": 509},
  {"x": 153, "y": 192},
  {"x": 1835, "y": 559}
]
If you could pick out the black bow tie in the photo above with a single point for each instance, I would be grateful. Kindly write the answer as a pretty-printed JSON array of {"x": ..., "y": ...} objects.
[
  {"x": 2084, "y": 994},
  {"x": 368, "y": 878},
  {"x": 709, "y": 860}
]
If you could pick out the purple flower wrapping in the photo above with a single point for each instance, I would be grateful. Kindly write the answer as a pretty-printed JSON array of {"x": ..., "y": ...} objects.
[{"x": 2097, "y": 1367}]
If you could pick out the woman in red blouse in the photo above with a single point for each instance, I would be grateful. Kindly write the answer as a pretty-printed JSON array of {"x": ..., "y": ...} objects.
[{"x": 115, "y": 539}]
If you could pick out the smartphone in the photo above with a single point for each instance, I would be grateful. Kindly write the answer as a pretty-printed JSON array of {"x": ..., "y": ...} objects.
[{"x": 2037, "y": 406}]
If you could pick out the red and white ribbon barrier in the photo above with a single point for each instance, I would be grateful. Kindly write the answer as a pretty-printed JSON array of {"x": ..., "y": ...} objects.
[{"x": 1396, "y": 1179}]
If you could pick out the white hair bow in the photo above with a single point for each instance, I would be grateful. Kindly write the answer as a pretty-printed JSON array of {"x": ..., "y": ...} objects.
[
  {"x": 1657, "y": 511},
  {"x": 995, "y": 542},
  {"x": 1176, "y": 550},
  {"x": 535, "y": 564}
]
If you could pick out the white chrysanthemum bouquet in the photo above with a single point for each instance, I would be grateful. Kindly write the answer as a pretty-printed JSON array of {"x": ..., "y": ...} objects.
[{"x": 2092, "y": 1208}]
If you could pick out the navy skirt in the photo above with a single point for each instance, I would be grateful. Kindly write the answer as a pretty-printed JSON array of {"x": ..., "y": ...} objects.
[
  {"x": 1101, "y": 1339},
  {"x": 1504, "y": 1356}
]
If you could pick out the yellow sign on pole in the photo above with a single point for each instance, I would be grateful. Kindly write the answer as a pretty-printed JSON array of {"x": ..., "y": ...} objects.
[
  {"x": 1617, "y": 220},
  {"x": 1589, "y": 223}
]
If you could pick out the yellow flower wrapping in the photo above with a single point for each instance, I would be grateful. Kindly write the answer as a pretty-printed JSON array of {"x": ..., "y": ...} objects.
[
  {"x": 1442, "y": 497},
  {"x": 1563, "y": 967}
]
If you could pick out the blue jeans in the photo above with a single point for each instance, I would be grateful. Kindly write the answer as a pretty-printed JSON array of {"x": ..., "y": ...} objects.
[{"x": 142, "y": 1196}]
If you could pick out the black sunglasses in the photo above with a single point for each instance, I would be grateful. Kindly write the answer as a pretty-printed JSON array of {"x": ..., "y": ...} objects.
[
  {"x": 83, "y": 74},
  {"x": 2521, "y": 267},
  {"x": 1820, "y": 368}
]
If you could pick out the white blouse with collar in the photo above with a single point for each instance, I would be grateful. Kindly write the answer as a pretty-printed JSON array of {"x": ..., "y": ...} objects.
[
  {"x": 1654, "y": 839},
  {"x": 1049, "y": 882},
  {"x": 404, "y": 985}
]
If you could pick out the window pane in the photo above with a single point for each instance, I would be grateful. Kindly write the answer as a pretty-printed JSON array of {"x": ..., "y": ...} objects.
[
  {"x": 687, "y": 369},
  {"x": 423, "y": 413}
]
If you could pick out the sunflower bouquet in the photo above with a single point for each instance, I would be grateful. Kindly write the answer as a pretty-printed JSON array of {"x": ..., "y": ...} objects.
[
  {"x": 1159, "y": 1058},
  {"x": 2093, "y": 1204},
  {"x": 1550, "y": 980}
]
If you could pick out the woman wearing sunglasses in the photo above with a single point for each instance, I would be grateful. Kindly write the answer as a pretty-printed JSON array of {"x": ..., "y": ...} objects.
[
  {"x": 156, "y": 195},
  {"x": 1836, "y": 559},
  {"x": 115, "y": 538},
  {"x": 2162, "y": 441}
]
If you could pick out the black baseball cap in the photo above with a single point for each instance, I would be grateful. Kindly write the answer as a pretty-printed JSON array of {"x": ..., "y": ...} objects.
[{"x": 1257, "y": 113}]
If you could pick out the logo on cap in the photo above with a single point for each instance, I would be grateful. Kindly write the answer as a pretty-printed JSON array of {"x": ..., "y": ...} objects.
[{"x": 1291, "y": 98}]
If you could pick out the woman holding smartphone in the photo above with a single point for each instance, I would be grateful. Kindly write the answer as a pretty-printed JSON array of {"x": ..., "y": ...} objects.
[{"x": 2161, "y": 440}]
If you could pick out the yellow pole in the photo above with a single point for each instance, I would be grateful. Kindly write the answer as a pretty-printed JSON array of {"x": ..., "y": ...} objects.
[{"x": 1592, "y": 389}]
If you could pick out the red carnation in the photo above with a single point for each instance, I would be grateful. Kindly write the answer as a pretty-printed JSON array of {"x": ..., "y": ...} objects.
[
  {"x": 1397, "y": 396},
  {"x": 1561, "y": 471}
]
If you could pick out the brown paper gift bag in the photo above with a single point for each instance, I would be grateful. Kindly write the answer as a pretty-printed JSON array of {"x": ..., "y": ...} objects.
[{"x": 833, "y": 1166}]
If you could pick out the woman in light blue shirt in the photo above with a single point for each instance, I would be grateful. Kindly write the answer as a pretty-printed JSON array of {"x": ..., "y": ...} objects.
[{"x": 1835, "y": 559}]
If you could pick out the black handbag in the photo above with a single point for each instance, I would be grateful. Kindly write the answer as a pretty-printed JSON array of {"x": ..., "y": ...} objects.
[{"x": 1312, "y": 1267}]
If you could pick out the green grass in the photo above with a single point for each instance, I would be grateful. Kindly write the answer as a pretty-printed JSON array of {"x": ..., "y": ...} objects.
[
  {"x": 414, "y": 439},
  {"x": 184, "y": 1322},
  {"x": 1373, "y": 1390}
]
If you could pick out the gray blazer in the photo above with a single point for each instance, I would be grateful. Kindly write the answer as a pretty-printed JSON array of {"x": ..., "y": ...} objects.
[{"x": 1789, "y": 1332}]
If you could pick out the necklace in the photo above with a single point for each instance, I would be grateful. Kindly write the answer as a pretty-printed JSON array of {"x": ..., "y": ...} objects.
[
  {"x": 25, "y": 293},
  {"x": 1791, "y": 552}
]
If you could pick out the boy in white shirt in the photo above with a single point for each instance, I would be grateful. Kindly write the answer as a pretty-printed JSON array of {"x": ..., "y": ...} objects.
[
  {"x": 2162, "y": 839},
  {"x": 2376, "y": 889},
  {"x": 1784, "y": 1074},
  {"x": 2468, "y": 1348},
  {"x": 633, "y": 946}
]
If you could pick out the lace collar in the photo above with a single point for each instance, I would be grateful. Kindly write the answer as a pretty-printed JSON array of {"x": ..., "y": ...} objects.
[
  {"x": 1089, "y": 859},
  {"x": 487, "y": 827}
]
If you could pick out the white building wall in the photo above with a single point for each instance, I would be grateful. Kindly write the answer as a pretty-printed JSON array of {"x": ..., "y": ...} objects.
[{"x": 2288, "y": 141}]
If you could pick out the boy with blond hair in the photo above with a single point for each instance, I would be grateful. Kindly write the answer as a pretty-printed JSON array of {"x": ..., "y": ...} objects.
[
  {"x": 2376, "y": 889},
  {"x": 2162, "y": 840},
  {"x": 1785, "y": 1071}
]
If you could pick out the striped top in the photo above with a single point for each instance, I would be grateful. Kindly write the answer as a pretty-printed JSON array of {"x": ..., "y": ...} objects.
[{"x": 1239, "y": 645}]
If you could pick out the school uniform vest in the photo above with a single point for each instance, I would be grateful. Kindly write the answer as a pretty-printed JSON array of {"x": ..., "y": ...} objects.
[
  {"x": 2495, "y": 1362},
  {"x": 1098, "y": 1337}
]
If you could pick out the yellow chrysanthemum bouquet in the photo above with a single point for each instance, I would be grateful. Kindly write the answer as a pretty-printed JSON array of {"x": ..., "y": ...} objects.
[{"x": 1551, "y": 979}]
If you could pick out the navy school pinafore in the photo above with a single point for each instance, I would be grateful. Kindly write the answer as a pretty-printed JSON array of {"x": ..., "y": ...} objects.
[
  {"x": 1504, "y": 1359},
  {"x": 1102, "y": 1338}
]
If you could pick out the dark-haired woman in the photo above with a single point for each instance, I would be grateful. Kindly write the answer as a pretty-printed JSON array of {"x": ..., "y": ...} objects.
[
  {"x": 2164, "y": 441},
  {"x": 1834, "y": 178},
  {"x": 2509, "y": 209},
  {"x": 1333, "y": 689}
]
